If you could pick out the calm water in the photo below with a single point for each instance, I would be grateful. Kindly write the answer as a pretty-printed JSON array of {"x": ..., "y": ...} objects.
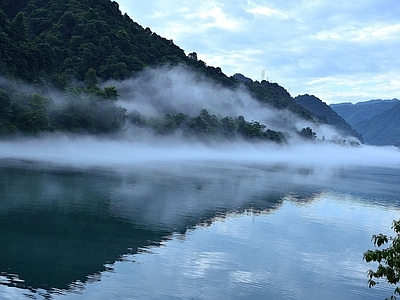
[{"x": 204, "y": 230}]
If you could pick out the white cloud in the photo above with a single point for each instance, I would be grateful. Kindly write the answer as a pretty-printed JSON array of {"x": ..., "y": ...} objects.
[
  {"x": 268, "y": 11},
  {"x": 372, "y": 34},
  {"x": 355, "y": 87},
  {"x": 213, "y": 16}
]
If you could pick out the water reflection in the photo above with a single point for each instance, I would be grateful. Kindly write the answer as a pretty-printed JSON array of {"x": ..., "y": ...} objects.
[
  {"x": 66, "y": 228},
  {"x": 278, "y": 254}
]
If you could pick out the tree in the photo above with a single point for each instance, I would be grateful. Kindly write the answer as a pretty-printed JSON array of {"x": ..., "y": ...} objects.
[
  {"x": 19, "y": 27},
  {"x": 193, "y": 56},
  {"x": 307, "y": 133},
  {"x": 110, "y": 92},
  {"x": 91, "y": 78},
  {"x": 388, "y": 259},
  {"x": 35, "y": 118}
]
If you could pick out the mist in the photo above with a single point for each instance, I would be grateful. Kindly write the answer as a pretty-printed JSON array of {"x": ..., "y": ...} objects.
[
  {"x": 178, "y": 89},
  {"x": 156, "y": 92},
  {"x": 135, "y": 180},
  {"x": 89, "y": 151}
]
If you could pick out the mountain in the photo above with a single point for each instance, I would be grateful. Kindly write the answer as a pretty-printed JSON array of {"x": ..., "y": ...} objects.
[
  {"x": 378, "y": 121},
  {"x": 326, "y": 115},
  {"x": 59, "y": 42},
  {"x": 381, "y": 129},
  {"x": 354, "y": 113},
  {"x": 51, "y": 42},
  {"x": 75, "y": 46}
]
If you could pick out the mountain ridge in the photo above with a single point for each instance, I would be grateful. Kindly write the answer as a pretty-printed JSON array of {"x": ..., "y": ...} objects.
[
  {"x": 354, "y": 113},
  {"x": 326, "y": 115},
  {"x": 376, "y": 120}
]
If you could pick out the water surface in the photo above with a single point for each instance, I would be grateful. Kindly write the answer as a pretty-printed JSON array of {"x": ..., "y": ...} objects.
[{"x": 191, "y": 230}]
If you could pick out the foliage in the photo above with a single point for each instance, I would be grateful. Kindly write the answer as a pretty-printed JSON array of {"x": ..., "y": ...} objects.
[
  {"x": 80, "y": 110},
  {"x": 55, "y": 41},
  {"x": 308, "y": 133},
  {"x": 388, "y": 259},
  {"x": 207, "y": 126},
  {"x": 45, "y": 40},
  {"x": 277, "y": 96}
]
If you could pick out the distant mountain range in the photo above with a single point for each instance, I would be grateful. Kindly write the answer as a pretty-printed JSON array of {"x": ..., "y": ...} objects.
[
  {"x": 326, "y": 115},
  {"x": 378, "y": 121}
]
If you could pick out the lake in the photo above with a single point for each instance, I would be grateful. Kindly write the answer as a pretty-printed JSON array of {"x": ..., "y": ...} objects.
[{"x": 192, "y": 229}]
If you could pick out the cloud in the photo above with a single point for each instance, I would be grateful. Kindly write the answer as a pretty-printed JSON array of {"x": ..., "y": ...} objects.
[
  {"x": 354, "y": 34},
  {"x": 355, "y": 87},
  {"x": 177, "y": 89},
  {"x": 267, "y": 11},
  {"x": 86, "y": 151},
  {"x": 213, "y": 16}
]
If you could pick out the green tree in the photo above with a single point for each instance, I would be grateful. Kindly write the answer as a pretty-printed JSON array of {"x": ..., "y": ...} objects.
[
  {"x": 228, "y": 127},
  {"x": 35, "y": 118},
  {"x": 388, "y": 259},
  {"x": 6, "y": 114},
  {"x": 110, "y": 92},
  {"x": 91, "y": 78},
  {"x": 18, "y": 27},
  {"x": 307, "y": 133}
]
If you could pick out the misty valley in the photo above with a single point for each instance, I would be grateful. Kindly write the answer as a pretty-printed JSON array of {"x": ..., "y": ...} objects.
[
  {"x": 132, "y": 170},
  {"x": 198, "y": 226}
]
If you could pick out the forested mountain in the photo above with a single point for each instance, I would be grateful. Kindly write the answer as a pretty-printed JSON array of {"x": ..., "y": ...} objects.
[
  {"x": 73, "y": 45},
  {"x": 378, "y": 121},
  {"x": 326, "y": 115},
  {"x": 354, "y": 113},
  {"x": 54, "y": 41},
  {"x": 382, "y": 129}
]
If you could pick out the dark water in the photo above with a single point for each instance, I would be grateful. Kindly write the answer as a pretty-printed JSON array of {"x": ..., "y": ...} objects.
[{"x": 205, "y": 230}]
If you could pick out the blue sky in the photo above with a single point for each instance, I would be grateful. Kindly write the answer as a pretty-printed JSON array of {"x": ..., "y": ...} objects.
[{"x": 339, "y": 51}]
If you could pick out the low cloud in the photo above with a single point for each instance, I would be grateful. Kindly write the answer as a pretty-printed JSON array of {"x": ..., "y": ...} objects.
[
  {"x": 171, "y": 90},
  {"x": 89, "y": 151}
]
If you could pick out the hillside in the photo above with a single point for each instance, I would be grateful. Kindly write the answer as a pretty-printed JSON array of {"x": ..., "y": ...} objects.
[
  {"x": 326, "y": 115},
  {"x": 382, "y": 129},
  {"x": 77, "y": 47},
  {"x": 52, "y": 42},
  {"x": 58, "y": 42},
  {"x": 355, "y": 113}
]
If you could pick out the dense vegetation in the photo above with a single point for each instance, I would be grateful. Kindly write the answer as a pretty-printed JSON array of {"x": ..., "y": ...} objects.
[
  {"x": 206, "y": 126},
  {"x": 73, "y": 45},
  {"x": 97, "y": 113}
]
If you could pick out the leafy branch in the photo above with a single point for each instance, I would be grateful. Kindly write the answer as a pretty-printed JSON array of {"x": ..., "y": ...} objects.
[{"x": 388, "y": 259}]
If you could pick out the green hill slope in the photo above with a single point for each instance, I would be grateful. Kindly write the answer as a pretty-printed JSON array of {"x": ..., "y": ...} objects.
[{"x": 73, "y": 45}]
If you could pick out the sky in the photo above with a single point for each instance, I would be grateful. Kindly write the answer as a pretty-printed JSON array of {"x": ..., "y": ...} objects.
[{"x": 339, "y": 51}]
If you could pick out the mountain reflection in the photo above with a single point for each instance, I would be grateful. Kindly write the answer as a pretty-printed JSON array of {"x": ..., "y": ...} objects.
[
  {"x": 62, "y": 226},
  {"x": 58, "y": 227}
]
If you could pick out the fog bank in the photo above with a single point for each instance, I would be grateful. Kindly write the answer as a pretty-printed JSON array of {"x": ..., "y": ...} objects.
[
  {"x": 89, "y": 151},
  {"x": 177, "y": 89}
]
